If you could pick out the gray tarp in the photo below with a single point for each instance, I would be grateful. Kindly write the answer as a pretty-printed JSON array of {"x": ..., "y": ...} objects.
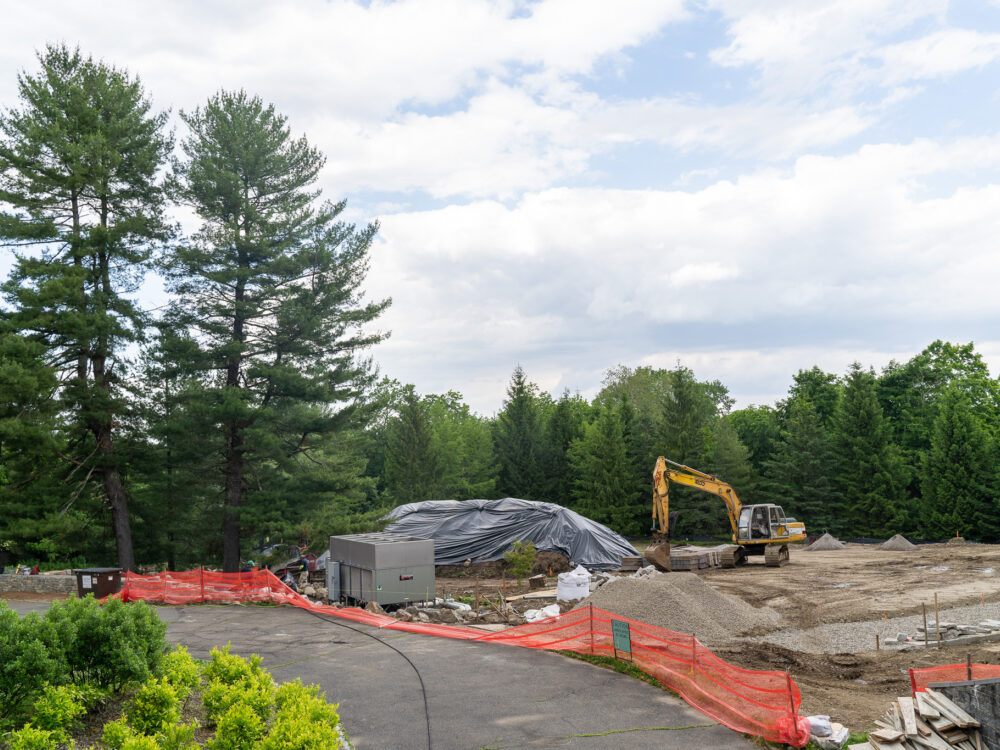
[{"x": 483, "y": 530}]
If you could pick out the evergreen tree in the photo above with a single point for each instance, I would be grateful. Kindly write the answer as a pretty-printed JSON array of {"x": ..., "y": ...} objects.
[
  {"x": 466, "y": 446},
  {"x": 821, "y": 389},
  {"x": 759, "y": 430},
  {"x": 957, "y": 474},
  {"x": 871, "y": 473},
  {"x": 603, "y": 478},
  {"x": 566, "y": 423},
  {"x": 78, "y": 166},
  {"x": 271, "y": 289},
  {"x": 518, "y": 439},
  {"x": 801, "y": 475},
  {"x": 414, "y": 464}
]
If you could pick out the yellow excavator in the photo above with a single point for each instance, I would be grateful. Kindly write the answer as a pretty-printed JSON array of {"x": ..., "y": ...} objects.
[{"x": 757, "y": 529}]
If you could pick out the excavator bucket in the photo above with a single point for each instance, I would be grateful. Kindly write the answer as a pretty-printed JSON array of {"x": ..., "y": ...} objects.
[{"x": 658, "y": 555}]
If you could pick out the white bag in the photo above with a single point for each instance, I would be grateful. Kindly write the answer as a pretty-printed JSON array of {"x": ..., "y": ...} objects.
[{"x": 534, "y": 615}]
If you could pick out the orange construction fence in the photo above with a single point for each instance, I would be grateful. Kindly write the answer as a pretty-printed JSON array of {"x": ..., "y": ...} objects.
[
  {"x": 764, "y": 704},
  {"x": 921, "y": 678}
]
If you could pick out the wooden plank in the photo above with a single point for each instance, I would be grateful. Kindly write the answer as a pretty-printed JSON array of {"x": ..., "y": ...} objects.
[
  {"x": 925, "y": 708},
  {"x": 941, "y": 725},
  {"x": 889, "y": 735},
  {"x": 886, "y": 745},
  {"x": 944, "y": 704},
  {"x": 909, "y": 717},
  {"x": 932, "y": 741},
  {"x": 861, "y": 746},
  {"x": 922, "y": 727}
]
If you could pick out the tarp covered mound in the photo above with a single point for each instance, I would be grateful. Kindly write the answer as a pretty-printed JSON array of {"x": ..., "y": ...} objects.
[{"x": 482, "y": 530}]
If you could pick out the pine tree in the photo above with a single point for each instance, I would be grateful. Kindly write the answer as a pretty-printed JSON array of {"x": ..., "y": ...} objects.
[
  {"x": 414, "y": 464},
  {"x": 564, "y": 425},
  {"x": 957, "y": 475},
  {"x": 871, "y": 473},
  {"x": 270, "y": 286},
  {"x": 518, "y": 438},
  {"x": 465, "y": 444},
  {"x": 78, "y": 165},
  {"x": 801, "y": 475},
  {"x": 603, "y": 481}
]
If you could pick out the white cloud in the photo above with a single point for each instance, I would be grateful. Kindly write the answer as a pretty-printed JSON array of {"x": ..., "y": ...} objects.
[{"x": 939, "y": 54}]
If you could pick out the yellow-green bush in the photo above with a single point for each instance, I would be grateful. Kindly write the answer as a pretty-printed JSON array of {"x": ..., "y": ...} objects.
[
  {"x": 32, "y": 738},
  {"x": 290, "y": 732},
  {"x": 155, "y": 705},
  {"x": 181, "y": 672},
  {"x": 57, "y": 709},
  {"x": 115, "y": 733},
  {"x": 240, "y": 728},
  {"x": 177, "y": 736}
]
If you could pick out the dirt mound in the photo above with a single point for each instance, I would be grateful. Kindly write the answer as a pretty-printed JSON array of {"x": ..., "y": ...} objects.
[
  {"x": 545, "y": 560},
  {"x": 898, "y": 543},
  {"x": 825, "y": 542},
  {"x": 684, "y": 603},
  {"x": 956, "y": 540}
]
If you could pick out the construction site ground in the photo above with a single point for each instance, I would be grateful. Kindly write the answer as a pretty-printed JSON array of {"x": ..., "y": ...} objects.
[{"x": 868, "y": 586}]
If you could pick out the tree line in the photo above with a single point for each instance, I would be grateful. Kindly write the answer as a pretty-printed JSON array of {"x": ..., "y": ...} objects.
[{"x": 248, "y": 411}]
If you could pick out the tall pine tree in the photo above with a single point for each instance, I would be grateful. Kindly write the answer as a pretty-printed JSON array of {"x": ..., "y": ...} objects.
[
  {"x": 271, "y": 288},
  {"x": 519, "y": 440},
  {"x": 78, "y": 166}
]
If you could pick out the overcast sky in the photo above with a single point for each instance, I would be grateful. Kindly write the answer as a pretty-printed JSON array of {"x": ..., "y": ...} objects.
[{"x": 751, "y": 187}]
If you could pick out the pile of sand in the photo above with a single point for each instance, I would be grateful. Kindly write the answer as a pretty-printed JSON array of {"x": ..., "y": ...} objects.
[
  {"x": 824, "y": 543},
  {"x": 684, "y": 603},
  {"x": 898, "y": 543}
]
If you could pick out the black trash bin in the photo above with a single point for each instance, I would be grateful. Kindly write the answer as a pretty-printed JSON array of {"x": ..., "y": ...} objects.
[{"x": 100, "y": 582}]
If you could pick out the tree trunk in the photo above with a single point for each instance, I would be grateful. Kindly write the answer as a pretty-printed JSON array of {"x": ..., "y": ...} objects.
[
  {"x": 234, "y": 498},
  {"x": 116, "y": 498}
]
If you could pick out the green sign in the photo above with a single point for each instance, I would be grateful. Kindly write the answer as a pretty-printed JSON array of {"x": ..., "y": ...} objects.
[{"x": 622, "y": 636}]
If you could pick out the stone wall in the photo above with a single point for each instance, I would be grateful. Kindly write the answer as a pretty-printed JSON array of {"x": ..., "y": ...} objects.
[{"x": 54, "y": 584}]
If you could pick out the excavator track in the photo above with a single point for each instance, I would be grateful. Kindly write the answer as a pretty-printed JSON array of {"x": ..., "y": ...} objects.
[
  {"x": 776, "y": 555},
  {"x": 732, "y": 556}
]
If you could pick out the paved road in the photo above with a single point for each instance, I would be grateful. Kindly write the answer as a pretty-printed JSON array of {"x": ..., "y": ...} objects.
[{"x": 481, "y": 696}]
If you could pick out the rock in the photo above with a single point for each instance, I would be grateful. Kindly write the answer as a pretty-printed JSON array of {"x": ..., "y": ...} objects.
[
  {"x": 901, "y": 637},
  {"x": 448, "y": 616},
  {"x": 413, "y": 610},
  {"x": 423, "y": 617},
  {"x": 490, "y": 617},
  {"x": 374, "y": 608},
  {"x": 309, "y": 591},
  {"x": 403, "y": 616},
  {"x": 321, "y": 593},
  {"x": 516, "y": 620}
]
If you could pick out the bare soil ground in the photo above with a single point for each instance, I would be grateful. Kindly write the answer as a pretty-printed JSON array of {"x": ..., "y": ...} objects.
[
  {"x": 28, "y": 596},
  {"x": 859, "y": 584}
]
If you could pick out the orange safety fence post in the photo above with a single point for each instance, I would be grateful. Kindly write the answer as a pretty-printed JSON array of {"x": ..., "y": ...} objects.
[
  {"x": 590, "y": 608},
  {"x": 201, "y": 580}
]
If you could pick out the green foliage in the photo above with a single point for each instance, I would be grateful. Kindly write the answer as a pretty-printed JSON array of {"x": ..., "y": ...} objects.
[
  {"x": 109, "y": 644},
  {"x": 234, "y": 680},
  {"x": 181, "y": 672},
  {"x": 26, "y": 661},
  {"x": 140, "y": 742},
  {"x": 239, "y": 728},
  {"x": 155, "y": 704},
  {"x": 520, "y": 557},
  {"x": 303, "y": 720},
  {"x": 33, "y": 738},
  {"x": 57, "y": 709}
]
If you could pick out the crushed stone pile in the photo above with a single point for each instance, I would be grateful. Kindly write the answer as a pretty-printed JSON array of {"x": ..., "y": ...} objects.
[
  {"x": 825, "y": 542},
  {"x": 898, "y": 543},
  {"x": 684, "y": 603}
]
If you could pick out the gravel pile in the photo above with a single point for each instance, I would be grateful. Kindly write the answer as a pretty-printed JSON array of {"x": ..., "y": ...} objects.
[
  {"x": 898, "y": 543},
  {"x": 825, "y": 542},
  {"x": 855, "y": 637},
  {"x": 684, "y": 603}
]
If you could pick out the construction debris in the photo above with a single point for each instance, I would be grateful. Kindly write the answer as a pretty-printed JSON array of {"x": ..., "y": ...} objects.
[
  {"x": 949, "y": 631},
  {"x": 688, "y": 557},
  {"x": 898, "y": 543},
  {"x": 929, "y": 721},
  {"x": 825, "y": 543}
]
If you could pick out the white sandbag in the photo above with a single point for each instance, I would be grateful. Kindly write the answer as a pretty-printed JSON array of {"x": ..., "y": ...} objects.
[
  {"x": 836, "y": 740},
  {"x": 573, "y": 585},
  {"x": 819, "y": 726},
  {"x": 534, "y": 615}
]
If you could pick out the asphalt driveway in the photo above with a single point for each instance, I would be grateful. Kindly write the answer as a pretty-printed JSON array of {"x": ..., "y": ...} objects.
[{"x": 480, "y": 696}]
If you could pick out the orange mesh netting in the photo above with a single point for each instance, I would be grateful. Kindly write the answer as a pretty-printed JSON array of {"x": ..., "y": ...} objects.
[
  {"x": 921, "y": 678},
  {"x": 764, "y": 704}
]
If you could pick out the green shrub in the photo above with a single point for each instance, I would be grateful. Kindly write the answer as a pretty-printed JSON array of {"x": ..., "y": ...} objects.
[
  {"x": 154, "y": 706},
  {"x": 230, "y": 668},
  {"x": 115, "y": 733},
  {"x": 140, "y": 742},
  {"x": 181, "y": 672},
  {"x": 289, "y": 732},
  {"x": 57, "y": 709},
  {"x": 255, "y": 691},
  {"x": 295, "y": 699},
  {"x": 520, "y": 557},
  {"x": 177, "y": 736},
  {"x": 240, "y": 728},
  {"x": 109, "y": 644},
  {"x": 32, "y": 738},
  {"x": 26, "y": 662}
]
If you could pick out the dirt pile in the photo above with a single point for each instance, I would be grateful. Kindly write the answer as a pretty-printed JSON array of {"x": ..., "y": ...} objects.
[
  {"x": 682, "y": 602},
  {"x": 898, "y": 543},
  {"x": 824, "y": 543},
  {"x": 956, "y": 540}
]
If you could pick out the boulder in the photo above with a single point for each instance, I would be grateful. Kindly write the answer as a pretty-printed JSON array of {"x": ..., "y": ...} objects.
[{"x": 309, "y": 591}]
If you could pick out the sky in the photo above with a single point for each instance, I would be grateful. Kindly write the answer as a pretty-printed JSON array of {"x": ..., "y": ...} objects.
[{"x": 748, "y": 187}]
